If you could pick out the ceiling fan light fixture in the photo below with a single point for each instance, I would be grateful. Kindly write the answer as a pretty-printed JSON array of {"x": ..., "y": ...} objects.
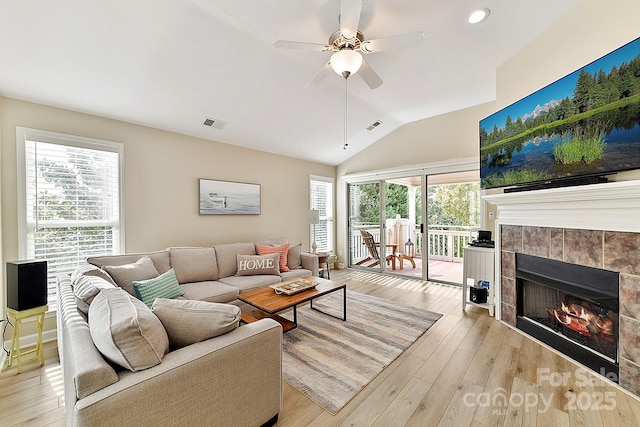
[
  {"x": 478, "y": 16},
  {"x": 346, "y": 62}
]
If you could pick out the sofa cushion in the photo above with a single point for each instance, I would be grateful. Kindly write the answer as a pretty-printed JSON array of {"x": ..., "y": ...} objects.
[
  {"x": 294, "y": 257},
  {"x": 194, "y": 264},
  {"x": 160, "y": 260},
  {"x": 249, "y": 283},
  {"x": 85, "y": 289},
  {"x": 251, "y": 265},
  {"x": 86, "y": 269},
  {"x": 124, "y": 275},
  {"x": 209, "y": 291},
  {"x": 164, "y": 286},
  {"x": 125, "y": 330},
  {"x": 282, "y": 250},
  {"x": 226, "y": 255},
  {"x": 188, "y": 322}
]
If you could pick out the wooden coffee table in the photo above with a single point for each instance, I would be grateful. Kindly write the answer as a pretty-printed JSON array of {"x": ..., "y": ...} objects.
[{"x": 269, "y": 303}]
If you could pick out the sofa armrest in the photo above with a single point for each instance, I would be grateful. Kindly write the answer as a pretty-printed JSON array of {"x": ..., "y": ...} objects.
[
  {"x": 310, "y": 262},
  {"x": 204, "y": 383}
]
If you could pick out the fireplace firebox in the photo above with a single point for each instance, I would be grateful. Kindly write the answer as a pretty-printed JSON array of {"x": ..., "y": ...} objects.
[{"x": 572, "y": 308}]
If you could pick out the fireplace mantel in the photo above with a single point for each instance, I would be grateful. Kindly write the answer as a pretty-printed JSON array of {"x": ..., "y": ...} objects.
[{"x": 613, "y": 206}]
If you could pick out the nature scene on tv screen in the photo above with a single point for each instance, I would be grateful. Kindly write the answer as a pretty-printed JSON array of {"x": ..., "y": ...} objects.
[{"x": 587, "y": 123}]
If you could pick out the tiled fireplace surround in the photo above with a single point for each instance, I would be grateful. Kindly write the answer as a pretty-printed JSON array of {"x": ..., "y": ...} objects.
[{"x": 596, "y": 226}]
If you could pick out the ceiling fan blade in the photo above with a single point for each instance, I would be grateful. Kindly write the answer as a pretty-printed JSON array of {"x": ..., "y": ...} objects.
[
  {"x": 394, "y": 42},
  {"x": 370, "y": 77},
  {"x": 286, "y": 44},
  {"x": 349, "y": 17},
  {"x": 320, "y": 75}
]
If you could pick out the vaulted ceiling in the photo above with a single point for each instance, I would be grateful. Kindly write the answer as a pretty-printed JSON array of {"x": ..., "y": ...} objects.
[{"x": 170, "y": 64}]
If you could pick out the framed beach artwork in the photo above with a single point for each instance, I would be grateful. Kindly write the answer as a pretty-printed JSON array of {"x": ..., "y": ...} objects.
[{"x": 229, "y": 198}]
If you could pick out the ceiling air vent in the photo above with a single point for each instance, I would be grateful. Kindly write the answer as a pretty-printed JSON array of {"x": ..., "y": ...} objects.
[
  {"x": 374, "y": 125},
  {"x": 214, "y": 123}
]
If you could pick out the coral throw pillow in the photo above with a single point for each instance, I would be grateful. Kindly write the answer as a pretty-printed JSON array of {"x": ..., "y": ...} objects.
[{"x": 282, "y": 250}]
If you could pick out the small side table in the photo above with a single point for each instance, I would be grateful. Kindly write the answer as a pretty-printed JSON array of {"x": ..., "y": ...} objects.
[
  {"x": 478, "y": 265},
  {"x": 16, "y": 351},
  {"x": 323, "y": 261}
]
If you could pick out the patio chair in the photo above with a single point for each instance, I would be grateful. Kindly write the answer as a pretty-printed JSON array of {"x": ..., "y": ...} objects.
[{"x": 374, "y": 256}]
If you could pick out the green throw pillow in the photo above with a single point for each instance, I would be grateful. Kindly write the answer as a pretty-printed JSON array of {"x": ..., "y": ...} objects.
[{"x": 163, "y": 286}]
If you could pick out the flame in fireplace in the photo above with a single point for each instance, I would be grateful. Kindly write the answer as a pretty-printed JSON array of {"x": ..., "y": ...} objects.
[{"x": 583, "y": 320}]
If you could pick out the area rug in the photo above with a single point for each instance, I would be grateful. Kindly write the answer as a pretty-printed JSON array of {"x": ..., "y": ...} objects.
[{"x": 330, "y": 361}]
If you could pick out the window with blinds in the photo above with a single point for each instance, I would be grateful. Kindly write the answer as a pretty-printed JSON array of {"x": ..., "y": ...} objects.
[
  {"x": 321, "y": 199},
  {"x": 70, "y": 200}
]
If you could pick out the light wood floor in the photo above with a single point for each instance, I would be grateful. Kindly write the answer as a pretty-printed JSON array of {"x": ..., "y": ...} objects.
[{"x": 467, "y": 370}]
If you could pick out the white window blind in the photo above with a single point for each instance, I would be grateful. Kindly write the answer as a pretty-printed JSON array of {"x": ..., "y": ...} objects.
[
  {"x": 70, "y": 200},
  {"x": 321, "y": 199}
]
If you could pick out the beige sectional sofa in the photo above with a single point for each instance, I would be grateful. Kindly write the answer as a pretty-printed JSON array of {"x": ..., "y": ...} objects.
[
  {"x": 209, "y": 274},
  {"x": 233, "y": 379}
]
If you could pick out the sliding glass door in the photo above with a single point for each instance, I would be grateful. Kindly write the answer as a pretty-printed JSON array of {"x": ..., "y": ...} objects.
[
  {"x": 453, "y": 212},
  {"x": 384, "y": 226},
  {"x": 414, "y": 226},
  {"x": 402, "y": 224},
  {"x": 365, "y": 229}
]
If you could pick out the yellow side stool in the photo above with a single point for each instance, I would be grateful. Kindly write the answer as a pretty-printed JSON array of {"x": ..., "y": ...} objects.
[{"x": 16, "y": 351}]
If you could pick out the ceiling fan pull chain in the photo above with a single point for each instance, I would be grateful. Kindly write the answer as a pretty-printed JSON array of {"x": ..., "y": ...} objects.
[{"x": 346, "y": 91}]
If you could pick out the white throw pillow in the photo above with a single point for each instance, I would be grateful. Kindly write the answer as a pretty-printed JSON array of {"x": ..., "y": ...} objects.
[
  {"x": 188, "y": 321},
  {"x": 85, "y": 288},
  {"x": 125, "y": 330}
]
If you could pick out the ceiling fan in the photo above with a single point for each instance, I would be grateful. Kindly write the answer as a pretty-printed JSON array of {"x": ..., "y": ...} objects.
[{"x": 348, "y": 43}]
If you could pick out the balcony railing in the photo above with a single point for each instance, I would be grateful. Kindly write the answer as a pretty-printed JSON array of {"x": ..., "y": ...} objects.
[{"x": 445, "y": 242}]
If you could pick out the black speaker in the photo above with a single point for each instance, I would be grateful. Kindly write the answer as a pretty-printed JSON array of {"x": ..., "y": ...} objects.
[
  {"x": 26, "y": 284},
  {"x": 478, "y": 295}
]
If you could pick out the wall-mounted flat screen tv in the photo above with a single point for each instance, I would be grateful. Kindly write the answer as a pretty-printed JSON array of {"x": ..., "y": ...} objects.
[{"x": 586, "y": 124}]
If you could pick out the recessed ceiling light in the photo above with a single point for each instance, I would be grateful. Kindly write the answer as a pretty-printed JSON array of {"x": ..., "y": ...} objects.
[{"x": 478, "y": 16}]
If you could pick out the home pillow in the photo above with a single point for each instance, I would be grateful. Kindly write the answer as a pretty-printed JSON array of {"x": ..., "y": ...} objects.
[
  {"x": 85, "y": 289},
  {"x": 124, "y": 275},
  {"x": 125, "y": 330},
  {"x": 250, "y": 265},
  {"x": 164, "y": 286},
  {"x": 189, "y": 321},
  {"x": 282, "y": 250}
]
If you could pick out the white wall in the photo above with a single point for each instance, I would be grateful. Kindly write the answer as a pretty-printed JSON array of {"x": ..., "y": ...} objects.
[
  {"x": 161, "y": 175},
  {"x": 593, "y": 29}
]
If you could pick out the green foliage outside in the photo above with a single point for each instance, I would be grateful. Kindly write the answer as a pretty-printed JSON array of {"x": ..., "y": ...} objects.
[
  {"x": 455, "y": 204},
  {"x": 77, "y": 188},
  {"x": 511, "y": 177},
  {"x": 583, "y": 147},
  {"x": 74, "y": 189}
]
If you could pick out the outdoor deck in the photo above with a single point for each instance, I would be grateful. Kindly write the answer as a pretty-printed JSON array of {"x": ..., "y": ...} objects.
[
  {"x": 444, "y": 271},
  {"x": 445, "y": 244}
]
